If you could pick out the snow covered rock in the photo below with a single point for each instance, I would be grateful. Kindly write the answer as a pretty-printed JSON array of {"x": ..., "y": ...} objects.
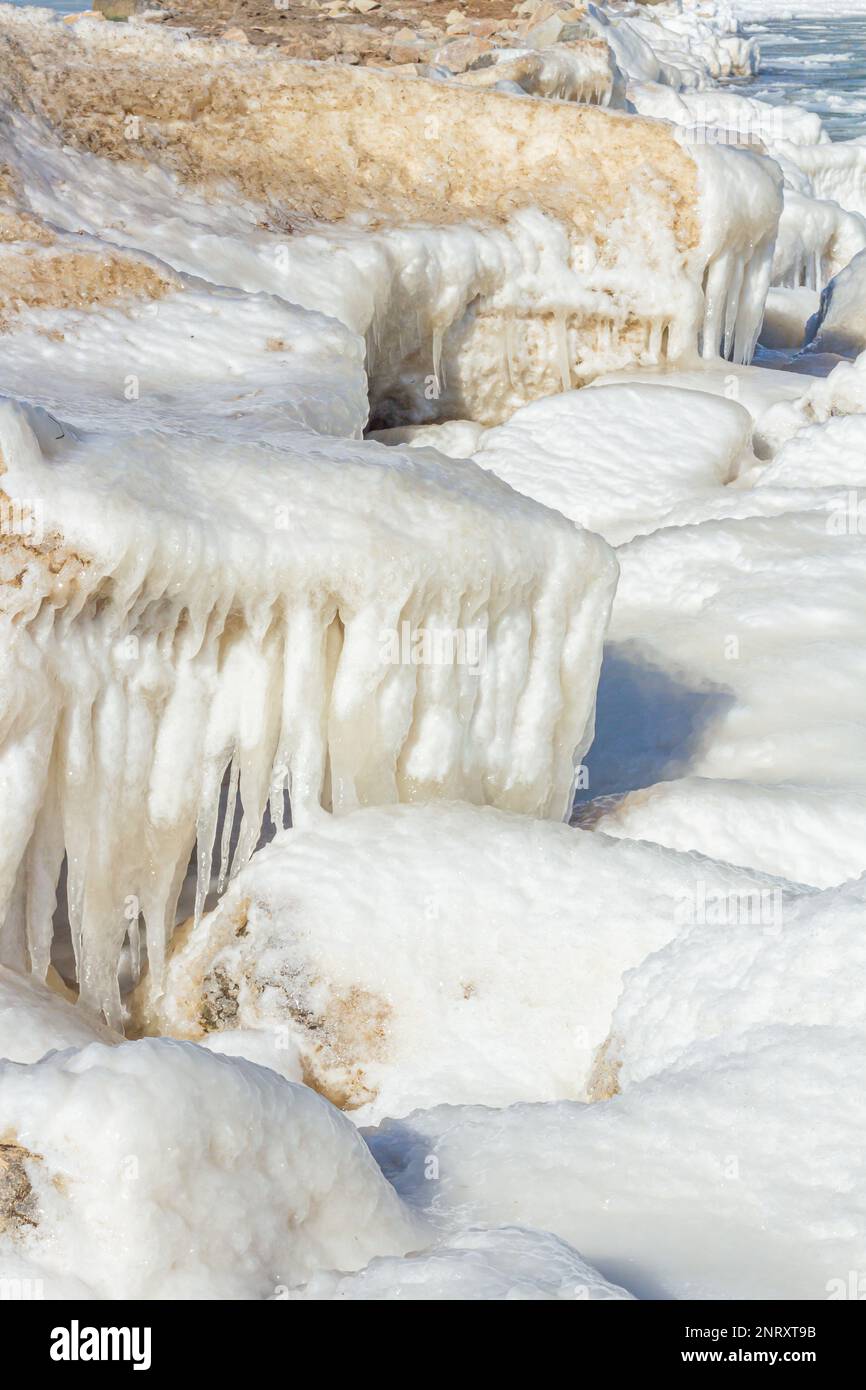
[
  {"x": 756, "y": 626},
  {"x": 335, "y": 622},
  {"x": 214, "y": 1179},
  {"x": 488, "y": 248},
  {"x": 811, "y": 834},
  {"x": 437, "y": 954},
  {"x": 35, "y": 1020},
  {"x": 840, "y": 324},
  {"x": 733, "y": 1174},
  {"x": 612, "y": 461},
  {"x": 715, "y": 982},
  {"x": 506, "y": 1263}
]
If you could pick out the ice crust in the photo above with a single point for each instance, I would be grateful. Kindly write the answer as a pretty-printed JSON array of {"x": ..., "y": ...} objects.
[
  {"x": 197, "y": 605},
  {"x": 613, "y": 1059},
  {"x": 480, "y": 918}
]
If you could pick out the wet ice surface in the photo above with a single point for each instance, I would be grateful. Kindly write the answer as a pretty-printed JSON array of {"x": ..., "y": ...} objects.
[{"x": 819, "y": 64}]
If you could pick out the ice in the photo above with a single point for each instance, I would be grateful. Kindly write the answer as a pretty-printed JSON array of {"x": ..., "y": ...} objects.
[
  {"x": 501, "y": 230},
  {"x": 816, "y": 241},
  {"x": 225, "y": 1180},
  {"x": 508, "y": 1262},
  {"x": 35, "y": 1020},
  {"x": 610, "y": 461},
  {"x": 675, "y": 1188},
  {"x": 786, "y": 316},
  {"x": 398, "y": 976},
  {"x": 840, "y": 323},
  {"x": 175, "y": 606},
  {"x": 813, "y": 834},
  {"x": 805, "y": 963}
]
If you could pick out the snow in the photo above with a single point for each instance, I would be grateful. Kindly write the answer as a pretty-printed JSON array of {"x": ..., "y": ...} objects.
[
  {"x": 729, "y": 607},
  {"x": 710, "y": 984},
  {"x": 816, "y": 835},
  {"x": 480, "y": 918},
  {"x": 674, "y": 1189},
  {"x": 614, "y": 1058},
  {"x": 225, "y": 1180},
  {"x": 35, "y": 1020},
  {"x": 508, "y": 1263},
  {"x": 611, "y": 462}
]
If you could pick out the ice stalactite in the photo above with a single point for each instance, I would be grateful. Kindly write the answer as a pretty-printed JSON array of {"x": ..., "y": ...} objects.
[
  {"x": 816, "y": 241},
  {"x": 740, "y": 207},
  {"x": 331, "y": 619},
  {"x": 498, "y": 214}
]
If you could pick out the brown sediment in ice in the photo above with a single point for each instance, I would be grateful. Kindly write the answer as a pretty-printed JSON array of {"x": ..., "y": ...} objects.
[{"x": 323, "y": 143}]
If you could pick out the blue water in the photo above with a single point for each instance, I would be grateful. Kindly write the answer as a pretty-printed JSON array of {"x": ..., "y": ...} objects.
[
  {"x": 819, "y": 64},
  {"x": 58, "y": 6}
]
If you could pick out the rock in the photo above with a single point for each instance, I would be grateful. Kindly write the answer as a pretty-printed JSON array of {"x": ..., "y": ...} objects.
[
  {"x": 115, "y": 9},
  {"x": 82, "y": 14},
  {"x": 363, "y": 6},
  {"x": 460, "y": 52},
  {"x": 407, "y": 51},
  {"x": 235, "y": 36}
]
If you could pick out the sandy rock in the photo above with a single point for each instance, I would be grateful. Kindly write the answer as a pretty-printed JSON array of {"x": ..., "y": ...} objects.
[
  {"x": 115, "y": 9},
  {"x": 235, "y": 36},
  {"x": 459, "y": 53}
]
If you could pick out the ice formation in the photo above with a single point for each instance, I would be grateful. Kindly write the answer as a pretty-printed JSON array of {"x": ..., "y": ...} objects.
[
  {"x": 840, "y": 323},
  {"x": 640, "y": 1034},
  {"x": 712, "y": 984},
  {"x": 480, "y": 919},
  {"x": 178, "y": 606},
  {"x": 612, "y": 462},
  {"x": 508, "y": 1262},
  {"x": 496, "y": 247},
  {"x": 224, "y": 1179},
  {"x": 675, "y": 1188}
]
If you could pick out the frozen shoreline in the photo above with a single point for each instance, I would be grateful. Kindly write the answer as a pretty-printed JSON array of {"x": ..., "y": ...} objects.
[{"x": 596, "y": 546}]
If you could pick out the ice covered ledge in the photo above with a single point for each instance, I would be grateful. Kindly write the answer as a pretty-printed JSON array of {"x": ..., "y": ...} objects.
[
  {"x": 332, "y": 620},
  {"x": 500, "y": 247}
]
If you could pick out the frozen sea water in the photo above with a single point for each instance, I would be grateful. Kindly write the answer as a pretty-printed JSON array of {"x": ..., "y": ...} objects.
[{"x": 816, "y": 63}]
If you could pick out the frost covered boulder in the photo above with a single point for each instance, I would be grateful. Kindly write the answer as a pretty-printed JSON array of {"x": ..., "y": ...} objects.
[
  {"x": 709, "y": 985},
  {"x": 612, "y": 460},
  {"x": 491, "y": 249},
  {"x": 441, "y": 954},
  {"x": 747, "y": 631},
  {"x": 215, "y": 1178},
  {"x": 812, "y": 834},
  {"x": 508, "y": 1262},
  {"x": 96, "y": 333},
  {"x": 840, "y": 324},
  {"x": 331, "y": 623},
  {"x": 734, "y": 1173},
  {"x": 35, "y": 1019}
]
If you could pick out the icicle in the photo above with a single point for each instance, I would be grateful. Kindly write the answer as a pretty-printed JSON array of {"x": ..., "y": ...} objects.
[
  {"x": 560, "y": 346},
  {"x": 228, "y": 823},
  {"x": 438, "y": 373}
]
